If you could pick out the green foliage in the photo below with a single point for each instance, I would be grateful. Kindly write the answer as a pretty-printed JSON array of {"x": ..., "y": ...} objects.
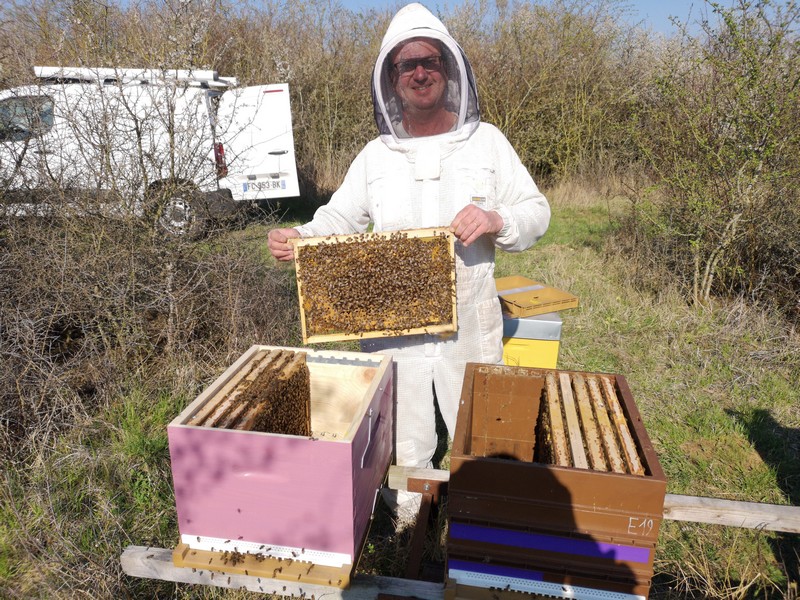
[{"x": 579, "y": 227}]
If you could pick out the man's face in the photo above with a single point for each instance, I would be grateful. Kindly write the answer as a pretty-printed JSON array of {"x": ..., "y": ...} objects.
[{"x": 418, "y": 75}]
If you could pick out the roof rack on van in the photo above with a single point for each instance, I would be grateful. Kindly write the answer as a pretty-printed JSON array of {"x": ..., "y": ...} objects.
[{"x": 203, "y": 78}]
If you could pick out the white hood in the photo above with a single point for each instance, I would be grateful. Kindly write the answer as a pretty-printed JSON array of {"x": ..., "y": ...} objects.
[{"x": 415, "y": 21}]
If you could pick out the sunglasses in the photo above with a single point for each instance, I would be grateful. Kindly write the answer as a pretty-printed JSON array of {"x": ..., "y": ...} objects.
[{"x": 429, "y": 63}]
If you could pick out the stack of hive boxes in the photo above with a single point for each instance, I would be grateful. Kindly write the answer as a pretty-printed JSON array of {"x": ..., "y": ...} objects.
[
  {"x": 531, "y": 321},
  {"x": 555, "y": 488}
]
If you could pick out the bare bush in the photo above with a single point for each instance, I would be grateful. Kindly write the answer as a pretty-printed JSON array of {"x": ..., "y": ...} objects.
[
  {"x": 559, "y": 79},
  {"x": 720, "y": 137},
  {"x": 90, "y": 305}
]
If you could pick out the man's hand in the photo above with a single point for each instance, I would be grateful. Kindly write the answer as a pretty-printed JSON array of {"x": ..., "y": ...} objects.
[
  {"x": 472, "y": 222},
  {"x": 279, "y": 245}
]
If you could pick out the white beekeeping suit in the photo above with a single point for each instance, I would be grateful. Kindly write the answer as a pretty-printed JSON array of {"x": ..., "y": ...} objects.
[{"x": 402, "y": 182}]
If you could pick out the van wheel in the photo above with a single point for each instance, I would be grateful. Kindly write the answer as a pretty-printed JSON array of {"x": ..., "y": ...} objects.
[{"x": 178, "y": 211}]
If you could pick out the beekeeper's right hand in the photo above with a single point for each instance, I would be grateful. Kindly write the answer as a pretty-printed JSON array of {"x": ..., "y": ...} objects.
[{"x": 279, "y": 245}]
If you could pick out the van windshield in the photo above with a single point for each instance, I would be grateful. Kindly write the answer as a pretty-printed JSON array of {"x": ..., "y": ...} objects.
[{"x": 24, "y": 117}]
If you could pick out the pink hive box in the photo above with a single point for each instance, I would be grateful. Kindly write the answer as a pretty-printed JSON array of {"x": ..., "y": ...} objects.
[{"x": 282, "y": 495}]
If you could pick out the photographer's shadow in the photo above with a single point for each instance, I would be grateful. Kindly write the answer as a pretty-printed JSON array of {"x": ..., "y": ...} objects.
[
  {"x": 779, "y": 447},
  {"x": 515, "y": 525}
]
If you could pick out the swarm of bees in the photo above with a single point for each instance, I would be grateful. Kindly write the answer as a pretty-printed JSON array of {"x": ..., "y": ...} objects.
[
  {"x": 391, "y": 283},
  {"x": 271, "y": 394}
]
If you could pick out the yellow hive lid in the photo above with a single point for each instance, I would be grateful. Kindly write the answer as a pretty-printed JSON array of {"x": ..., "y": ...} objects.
[{"x": 523, "y": 297}]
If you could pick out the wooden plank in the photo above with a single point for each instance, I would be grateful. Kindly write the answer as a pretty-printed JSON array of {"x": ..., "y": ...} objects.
[
  {"x": 156, "y": 563},
  {"x": 228, "y": 564},
  {"x": 418, "y": 537},
  {"x": 749, "y": 515},
  {"x": 628, "y": 445},
  {"x": 607, "y": 433},
  {"x": 398, "y": 476},
  {"x": 559, "y": 447},
  {"x": 597, "y": 459},
  {"x": 573, "y": 425}
]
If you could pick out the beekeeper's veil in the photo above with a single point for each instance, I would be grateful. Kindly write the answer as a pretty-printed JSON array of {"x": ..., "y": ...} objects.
[{"x": 416, "y": 21}]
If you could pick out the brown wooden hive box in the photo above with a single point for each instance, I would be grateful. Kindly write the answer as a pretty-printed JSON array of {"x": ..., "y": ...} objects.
[
  {"x": 554, "y": 486},
  {"x": 376, "y": 284}
]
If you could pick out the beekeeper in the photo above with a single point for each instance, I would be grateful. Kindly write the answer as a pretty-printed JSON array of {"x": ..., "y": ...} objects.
[{"x": 434, "y": 164}]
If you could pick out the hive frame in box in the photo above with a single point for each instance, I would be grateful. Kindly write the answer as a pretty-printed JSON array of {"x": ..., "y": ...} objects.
[
  {"x": 299, "y": 243},
  {"x": 540, "y": 528},
  {"x": 283, "y": 497}
]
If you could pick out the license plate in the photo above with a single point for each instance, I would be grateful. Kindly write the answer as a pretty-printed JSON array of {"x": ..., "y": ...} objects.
[{"x": 264, "y": 186}]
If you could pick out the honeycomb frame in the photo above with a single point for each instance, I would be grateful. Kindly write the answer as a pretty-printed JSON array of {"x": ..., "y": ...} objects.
[{"x": 376, "y": 284}]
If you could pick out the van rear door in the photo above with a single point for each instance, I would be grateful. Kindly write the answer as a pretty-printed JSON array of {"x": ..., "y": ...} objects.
[{"x": 254, "y": 125}]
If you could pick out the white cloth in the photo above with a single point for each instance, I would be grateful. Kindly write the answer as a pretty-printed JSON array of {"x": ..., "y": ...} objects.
[{"x": 387, "y": 187}]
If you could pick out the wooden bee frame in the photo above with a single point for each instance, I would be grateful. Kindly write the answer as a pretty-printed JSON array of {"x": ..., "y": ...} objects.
[{"x": 376, "y": 284}]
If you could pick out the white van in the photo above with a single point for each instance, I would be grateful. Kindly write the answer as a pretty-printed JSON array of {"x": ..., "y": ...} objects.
[{"x": 182, "y": 146}]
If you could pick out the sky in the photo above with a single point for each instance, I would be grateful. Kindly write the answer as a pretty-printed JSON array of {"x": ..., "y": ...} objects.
[{"x": 654, "y": 14}]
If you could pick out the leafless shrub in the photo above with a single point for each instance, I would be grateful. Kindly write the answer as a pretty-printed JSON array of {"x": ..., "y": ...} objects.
[
  {"x": 718, "y": 132},
  {"x": 559, "y": 78},
  {"x": 88, "y": 304}
]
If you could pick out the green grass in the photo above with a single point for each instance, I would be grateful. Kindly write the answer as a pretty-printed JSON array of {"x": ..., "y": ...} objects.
[
  {"x": 717, "y": 389},
  {"x": 102, "y": 485}
]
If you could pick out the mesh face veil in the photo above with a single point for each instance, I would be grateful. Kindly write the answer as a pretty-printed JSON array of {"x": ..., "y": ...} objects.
[{"x": 411, "y": 23}]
